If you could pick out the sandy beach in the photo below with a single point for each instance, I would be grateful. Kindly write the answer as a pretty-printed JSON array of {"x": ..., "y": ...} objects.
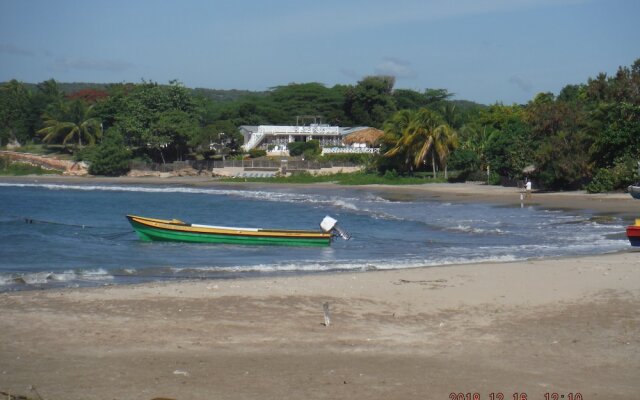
[{"x": 565, "y": 326}]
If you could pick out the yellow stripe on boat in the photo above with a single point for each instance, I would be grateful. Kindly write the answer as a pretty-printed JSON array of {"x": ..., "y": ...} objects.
[{"x": 161, "y": 229}]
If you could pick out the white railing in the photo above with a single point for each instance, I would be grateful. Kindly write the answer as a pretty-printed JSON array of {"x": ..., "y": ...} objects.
[
  {"x": 255, "y": 139},
  {"x": 299, "y": 130},
  {"x": 350, "y": 150}
]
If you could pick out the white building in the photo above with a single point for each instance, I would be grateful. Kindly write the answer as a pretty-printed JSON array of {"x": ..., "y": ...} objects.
[{"x": 276, "y": 137}]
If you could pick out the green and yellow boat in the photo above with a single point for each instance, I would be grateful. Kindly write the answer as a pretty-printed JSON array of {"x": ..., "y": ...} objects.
[{"x": 153, "y": 229}]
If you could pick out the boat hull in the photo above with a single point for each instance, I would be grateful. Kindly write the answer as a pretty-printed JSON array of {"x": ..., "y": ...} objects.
[
  {"x": 633, "y": 233},
  {"x": 150, "y": 229}
]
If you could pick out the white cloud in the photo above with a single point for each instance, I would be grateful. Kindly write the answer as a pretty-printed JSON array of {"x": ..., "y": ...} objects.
[{"x": 395, "y": 67}]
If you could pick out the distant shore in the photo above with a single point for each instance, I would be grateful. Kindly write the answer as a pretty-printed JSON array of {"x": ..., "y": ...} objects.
[{"x": 614, "y": 203}]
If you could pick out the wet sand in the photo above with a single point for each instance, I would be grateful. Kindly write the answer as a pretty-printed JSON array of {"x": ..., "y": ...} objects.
[{"x": 561, "y": 326}]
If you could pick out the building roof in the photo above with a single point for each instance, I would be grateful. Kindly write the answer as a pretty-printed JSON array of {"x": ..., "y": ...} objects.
[{"x": 370, "y": 136}]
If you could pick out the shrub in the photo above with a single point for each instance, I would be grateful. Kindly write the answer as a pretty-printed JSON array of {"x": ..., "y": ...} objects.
[
  {"x": 256, "y": 153},
  {"x": 494, "y": 178},
  {"x": 8, "y": 167},
  {"x": 309, "y": 154},
  {"x": 390, "y": 174},
  {"x": 111, "y": 157},
  {"x": 355, "y": 158},
  {"x": 602, "y": 182},
  {"x": 85, "y": 153},
  {"x": 619, "y": 176},
  {"x": 299, "y": 148}
]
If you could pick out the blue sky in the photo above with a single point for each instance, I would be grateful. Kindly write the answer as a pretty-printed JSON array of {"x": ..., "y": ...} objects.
[{"x": 485, "y": 51}]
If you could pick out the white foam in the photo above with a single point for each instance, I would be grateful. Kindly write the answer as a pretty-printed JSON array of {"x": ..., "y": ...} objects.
[
  {"x": 344, "y": 203},
  {"x": 46, "y": 277},
  {"x": 95, "y": 274},
  {"x": 36, "y": 278},
  {"x": 355, "y": 265},
  {"x": 470, "y": 229}
]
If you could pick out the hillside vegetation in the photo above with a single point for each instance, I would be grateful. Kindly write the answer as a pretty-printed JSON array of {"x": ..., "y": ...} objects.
[{"x": 585, "y": 136}]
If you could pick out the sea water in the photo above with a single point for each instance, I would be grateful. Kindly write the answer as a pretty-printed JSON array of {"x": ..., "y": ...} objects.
[{"x": 54, "y": 235}]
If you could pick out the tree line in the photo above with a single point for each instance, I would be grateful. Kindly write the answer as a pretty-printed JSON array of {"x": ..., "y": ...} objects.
[{"x": 588, "y": 135}]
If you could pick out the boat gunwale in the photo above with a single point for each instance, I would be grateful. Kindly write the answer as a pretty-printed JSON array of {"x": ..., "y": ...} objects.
[{"x": 182, "y": 227}]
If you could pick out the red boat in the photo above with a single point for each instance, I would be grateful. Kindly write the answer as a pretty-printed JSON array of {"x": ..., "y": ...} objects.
[{"x": 633, "y": 233}]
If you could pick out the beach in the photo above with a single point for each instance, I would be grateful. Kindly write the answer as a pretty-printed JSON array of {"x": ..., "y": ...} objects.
[{"x": 535, "y": 327}]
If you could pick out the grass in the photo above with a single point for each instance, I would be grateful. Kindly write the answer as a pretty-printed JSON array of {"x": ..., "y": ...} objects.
[
  {"x": 9, "y": 168},
  {"x": 59, "y": 151},
  {"x": 356, "y": 178}
]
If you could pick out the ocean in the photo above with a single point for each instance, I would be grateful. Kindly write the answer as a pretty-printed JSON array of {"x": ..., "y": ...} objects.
[{"x": 57, "y": 235}]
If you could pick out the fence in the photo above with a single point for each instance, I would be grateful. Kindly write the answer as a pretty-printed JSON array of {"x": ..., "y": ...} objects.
[
  {"x": 170, "y": 167},
  {"x": 246, "y": 164}
]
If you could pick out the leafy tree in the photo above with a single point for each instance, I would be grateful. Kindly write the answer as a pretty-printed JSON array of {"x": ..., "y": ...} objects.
[
  {"x": 497, "y": 116},
  {"x": 413, "y": 100},
  {"x": 111, "y": 157},
  {"x": 251, "y": 110},
  {"x": 158, "y": 119},
  {"x": 89, "y": 95},
  {"x": 465, "y": 160},
  {"x": 173, "y": 130},
  {"x": 571, "y": 93},
  {"x": 370, "y": 102},
  {"x": 546, "y": 116},
  {"x": 436, "y": 96},
  {"x": 220, "y": 137},
  {"x": 73, "y": 120},
  {"x": 509, "y": 150},
  {"x": 562, "y": 162},
  {"x": 561, "y": 142},
  {"x": 308, "y": 99},
  {"x": 597, "y": 89},
  {"x": 14, "y": 112},
  {"x": 407, "y": 99},
  {"x": 47, "y": 97},
  {"x": 619, "y": 136}
]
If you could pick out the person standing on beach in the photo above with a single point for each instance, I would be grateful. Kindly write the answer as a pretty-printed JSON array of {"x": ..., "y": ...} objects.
[{"x": 527, "y": 188}]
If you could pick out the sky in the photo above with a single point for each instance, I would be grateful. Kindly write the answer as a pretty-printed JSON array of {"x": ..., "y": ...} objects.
[{"x": 481, "y": 50}]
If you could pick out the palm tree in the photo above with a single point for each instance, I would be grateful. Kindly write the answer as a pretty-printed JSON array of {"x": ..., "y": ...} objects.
[
  {"x": 445, "y": 139},
  {"x": 72, "y": 120},
  {"x": 423, "y": 132},
  {"x": 395, "y": 130},
  {"x": 475, "y": 138}
]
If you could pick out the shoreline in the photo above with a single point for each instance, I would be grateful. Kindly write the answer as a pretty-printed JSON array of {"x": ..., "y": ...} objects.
[
  {"x": 561, "y": 325},
  {"x": 606, "y": 203}
]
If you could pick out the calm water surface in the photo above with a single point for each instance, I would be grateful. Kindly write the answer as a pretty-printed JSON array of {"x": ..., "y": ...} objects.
[{"x": 80, "y": 237}]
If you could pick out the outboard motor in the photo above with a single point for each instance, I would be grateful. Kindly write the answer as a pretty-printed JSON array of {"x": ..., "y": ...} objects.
[{"x": 329, "y": 224}]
